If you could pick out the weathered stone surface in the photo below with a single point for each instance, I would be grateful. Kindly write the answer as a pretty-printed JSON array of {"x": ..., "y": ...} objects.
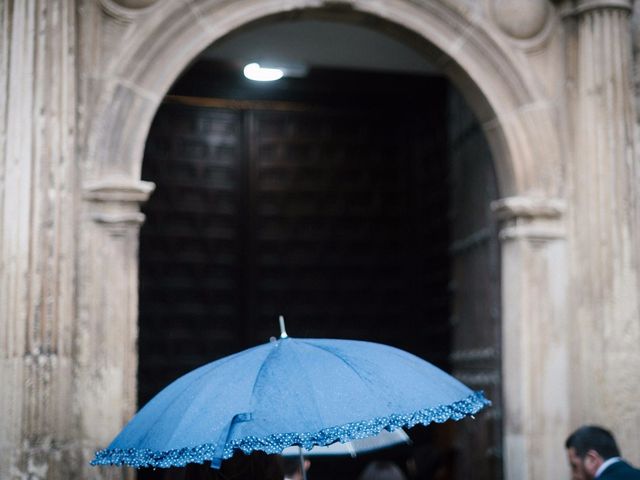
[
  {"x": 604, "y": 225},
  {"x": 535, "y": 334},
  {"x": 37, "y": 239},
  {"x": 521, "y": 19}
]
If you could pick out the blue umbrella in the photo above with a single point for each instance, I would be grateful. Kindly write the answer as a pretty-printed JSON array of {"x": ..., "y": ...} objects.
[{"x": 291, "y": 391}]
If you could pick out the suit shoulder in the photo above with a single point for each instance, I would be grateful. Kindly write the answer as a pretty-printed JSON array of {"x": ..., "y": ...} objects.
[{"x": 620, "y": 471}]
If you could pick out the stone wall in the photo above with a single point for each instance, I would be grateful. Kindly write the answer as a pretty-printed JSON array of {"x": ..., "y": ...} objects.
[
  {"x": 38, "y": 238},
  {"x": 602, "y": 195}
]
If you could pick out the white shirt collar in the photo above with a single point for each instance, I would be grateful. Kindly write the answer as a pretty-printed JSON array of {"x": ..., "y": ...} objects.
[{"x": 605, "y": 464}]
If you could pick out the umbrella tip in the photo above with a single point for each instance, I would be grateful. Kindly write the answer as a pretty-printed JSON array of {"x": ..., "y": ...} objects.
[{"x": 283, "y": 331}]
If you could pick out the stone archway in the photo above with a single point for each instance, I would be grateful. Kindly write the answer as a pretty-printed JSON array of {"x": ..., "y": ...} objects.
[
  {"x": 499, "y": 86},
  {"x": 518, "y": 120}
]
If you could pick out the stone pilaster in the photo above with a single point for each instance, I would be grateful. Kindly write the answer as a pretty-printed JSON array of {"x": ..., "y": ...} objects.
[
  {"x": 535, "y": 336},
  {"x": 37, "y": 242},
  {"x": 107, "y": 333},
  {"x": 604, "y": 226}
]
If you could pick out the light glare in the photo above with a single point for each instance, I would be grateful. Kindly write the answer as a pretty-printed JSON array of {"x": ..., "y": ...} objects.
[{"x": 253, "y": 71}]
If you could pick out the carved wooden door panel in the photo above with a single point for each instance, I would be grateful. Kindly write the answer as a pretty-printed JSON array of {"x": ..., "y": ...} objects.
[
  {"x": 475, "y": 354},
  {"x": 191, "y": 264},
  {"x": 335, "y": 218},
  {"x": 348, "y": 209}
]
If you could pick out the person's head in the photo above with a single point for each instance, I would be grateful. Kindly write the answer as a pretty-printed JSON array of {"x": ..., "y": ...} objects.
[
  {"x": 588, "y": 448},
  {"x": 381, "y": 470},
  {"x": 291, "y": 467}
]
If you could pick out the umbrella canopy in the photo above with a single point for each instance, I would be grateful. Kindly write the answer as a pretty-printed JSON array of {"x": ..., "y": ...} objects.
[{"x": 291, "y": 391}]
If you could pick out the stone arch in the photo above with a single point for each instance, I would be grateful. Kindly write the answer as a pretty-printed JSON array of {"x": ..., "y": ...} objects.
[
  {"x": 496, "y": 82},
  {"x": 517, "y": 118}
]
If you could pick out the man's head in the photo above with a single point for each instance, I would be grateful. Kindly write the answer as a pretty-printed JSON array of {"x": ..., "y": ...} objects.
[
  {"x": 587, "y": 448},
  {"x": 292, "y": 469}
]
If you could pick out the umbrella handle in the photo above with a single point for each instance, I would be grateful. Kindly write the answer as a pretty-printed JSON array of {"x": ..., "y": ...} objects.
[{"x": 302, "y": 469}]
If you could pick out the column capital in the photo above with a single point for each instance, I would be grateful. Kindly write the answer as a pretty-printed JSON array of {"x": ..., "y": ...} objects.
[
  {"x": 116, "y": 201},
  {"x": 118, "y": 189},
  {"x": 529, "y": 207},
  {"x": 579, "y": 7},
  {"x": 533, "y": 218}
]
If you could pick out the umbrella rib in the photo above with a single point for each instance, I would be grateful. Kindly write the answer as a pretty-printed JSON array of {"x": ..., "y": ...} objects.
[
  {"x": 339, "y": 358},
  {"x": 261, "y": 369},
  {"x": 172, "y": 402},
  {"x": 207, "y": 369},
  {"x": 217, "y": 364},
  {"x": 315, "y": 403}
]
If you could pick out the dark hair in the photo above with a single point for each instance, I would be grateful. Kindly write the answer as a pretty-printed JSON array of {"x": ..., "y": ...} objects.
[
  {"x": 591, "y": 437},
  {"x": 380, "y": 470}
]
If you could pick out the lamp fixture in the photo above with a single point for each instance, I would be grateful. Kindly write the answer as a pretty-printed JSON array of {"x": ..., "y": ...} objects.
[{"x": 253, "y": 71}]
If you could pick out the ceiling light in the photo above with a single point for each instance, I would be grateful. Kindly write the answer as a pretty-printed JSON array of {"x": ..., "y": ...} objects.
[{"x": 254, "y": 71}]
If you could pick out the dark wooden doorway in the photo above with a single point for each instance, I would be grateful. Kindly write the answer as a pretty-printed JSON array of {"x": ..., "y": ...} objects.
[{"x": 325, "y": 199}]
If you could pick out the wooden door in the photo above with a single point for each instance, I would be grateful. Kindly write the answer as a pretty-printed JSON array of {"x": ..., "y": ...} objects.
[
  {"x": 336, "y": 214},
  {"x": 475, "y": 282},
  {"x": 349, "y": 227},
  {"x": 191, "y": 260}
]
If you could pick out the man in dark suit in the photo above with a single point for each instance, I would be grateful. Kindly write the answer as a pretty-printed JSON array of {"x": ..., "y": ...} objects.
[{"x": 593, "y": 454}]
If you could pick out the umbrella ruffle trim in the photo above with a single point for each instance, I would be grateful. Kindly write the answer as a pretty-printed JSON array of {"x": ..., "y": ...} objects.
[{"x": 277, "y": 442}]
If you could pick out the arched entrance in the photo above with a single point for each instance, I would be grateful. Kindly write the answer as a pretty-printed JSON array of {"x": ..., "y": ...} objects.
[
  {"x": 355, "y": 201},
  {"x": 497, "y": 86}
]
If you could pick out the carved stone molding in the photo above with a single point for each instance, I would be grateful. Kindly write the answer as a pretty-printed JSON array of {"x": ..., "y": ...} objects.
[
  {"x": 127, "y": 10},
  {"x": 529, "y": 217},
  {"x": 121, "y": 190},
  {"x": 119, "y": 219},
  {"x": 116, "y": 202},
  {"x": 530, "y": 207},
  {"x": 582, "y": 6},
  {"x": 586, "y": 5},
  {"x": 521, "y": 19}
]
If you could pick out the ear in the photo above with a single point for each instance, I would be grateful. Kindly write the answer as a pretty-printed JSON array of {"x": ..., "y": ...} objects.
[{"x": 592, "y": 461}]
